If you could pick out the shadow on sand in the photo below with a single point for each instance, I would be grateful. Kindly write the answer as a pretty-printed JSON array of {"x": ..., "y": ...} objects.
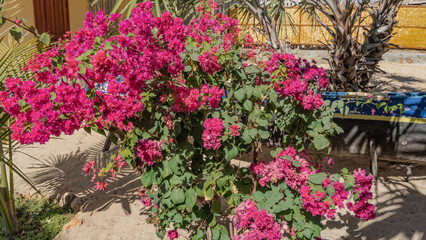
[
  {"x": 63, "y": 173},
  {"x": 400, "y": 205}
]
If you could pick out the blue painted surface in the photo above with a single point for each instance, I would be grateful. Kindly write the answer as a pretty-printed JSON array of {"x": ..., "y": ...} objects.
[{"x": 414, "y": 104}]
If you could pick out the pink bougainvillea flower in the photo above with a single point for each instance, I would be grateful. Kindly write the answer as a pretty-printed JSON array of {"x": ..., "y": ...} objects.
[
  {"x": 149, "y": 151},
  {"x": 254, "y": 224},
  {"x": 100, "y": 185},
  {"x": 235, "y": 130},
  {"x": 172, "y": 234},
  {"x": 212, "y": 132}
]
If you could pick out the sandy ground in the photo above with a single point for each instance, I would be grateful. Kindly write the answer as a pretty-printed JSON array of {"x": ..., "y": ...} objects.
[
  {"x": 398, "y": 77},
  {"x": 56, "y": 168}
]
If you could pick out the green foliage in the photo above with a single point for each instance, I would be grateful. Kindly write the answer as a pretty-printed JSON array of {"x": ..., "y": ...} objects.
[{"x": 39, "y": 219}]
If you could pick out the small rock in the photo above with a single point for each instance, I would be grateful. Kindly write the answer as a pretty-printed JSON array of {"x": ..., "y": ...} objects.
[
  {"x": 57, "y": 198},
  {"x": 66, "y": 199},
  {"x": 77, "y": 204},
  {"x": 51, "y": 197},
  {"x": 408, "y": 60}
]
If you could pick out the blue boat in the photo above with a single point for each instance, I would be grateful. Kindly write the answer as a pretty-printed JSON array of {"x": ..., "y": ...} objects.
[{"x": 379, "y": 135}]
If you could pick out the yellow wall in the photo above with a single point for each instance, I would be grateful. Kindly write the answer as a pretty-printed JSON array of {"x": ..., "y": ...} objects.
[{"x": 77, "y": 12}]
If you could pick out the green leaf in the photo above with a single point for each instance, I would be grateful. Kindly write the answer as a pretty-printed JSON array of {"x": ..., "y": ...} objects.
[
  {"x": 239, "y": 94},
  {"x": 253, "y": 132},
  {"x": 336, "y": 177},
  {"x": 190, "y": 198},
  {"x": 246, "y": 136},
  {"x": 21, "y": 102},
  {"x": 285, "y": 205},
  {"x": 344, "y": 110},
  {"x": 307, "y": 233},
  {"x": 108, "y": 46},
  {"x": 63, "y": 117},
  {"x": 296, "y": 163},
  {"x": 321, "y": 142},
  {"x": 249, "y": 91},
  {"x": 349, "y": 182},
  {"x": 215, "y": 234},
  {"x": 16, "y": 33},
  {"x": 221, "y": 182},
  {"x": 248, "y": 105},
  {"x": 82, "y": 69},
  {"x": 194, "y": 57},
  {"x": 317, "y": 178},
  {"x": 330, "y": 190},
  {"x": 177, "y": 196},
  {"x": 178, "y": 219},
  {"x": 262, "y": 122},
  {"x": 252, "y": 70},
  {"x": 176, "y": 180},
  {"x": 44, "y": 38},
  {"x": 147, "y": 178},
  {"x": 231, "y": 151},
  {"x": 216, "y": 207},
  {"x": 208, "y": 193},
  {"x": 161, "y": 234},
  {"x": 177, "y": 164},
  {"x": 52, "y": 96},
  {"x": 126, "y": 153},
  {"x": 188, "y": 68},
  {"x": 258, "y": 196},
  {"x": 264, "y": 134}
]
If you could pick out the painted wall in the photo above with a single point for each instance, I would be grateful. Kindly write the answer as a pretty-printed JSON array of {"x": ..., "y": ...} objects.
[{"x": 77, "y": 12}]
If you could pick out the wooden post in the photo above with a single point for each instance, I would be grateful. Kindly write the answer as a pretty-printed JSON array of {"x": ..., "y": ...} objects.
[{"x": 373, "y": 157}]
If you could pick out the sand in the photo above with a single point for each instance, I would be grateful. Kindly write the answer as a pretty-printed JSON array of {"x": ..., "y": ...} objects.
[
  {"x": 398, "y": 77},
  {"x": 56, "y": 168}
]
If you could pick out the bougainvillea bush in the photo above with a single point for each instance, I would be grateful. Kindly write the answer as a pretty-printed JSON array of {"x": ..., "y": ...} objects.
[{"x": 183, "y": 102}]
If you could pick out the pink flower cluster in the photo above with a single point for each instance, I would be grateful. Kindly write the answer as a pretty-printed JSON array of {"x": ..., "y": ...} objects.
[
  {"x": 297, "y": 79},
  {"x": 340, "y": 194},
  {"x": 283, "y": 168},
  {"x": 143, "y": 193},
  {"x": 212, "y": 133},
  {"x": 253, "y": 224},
  {"x": 143, "y": 46},
  {"x": 319, "y": 203},
  {"x": 212, "y": 95},
  {"x": 208, "y": 62},
  {"x": 188, "y": 100},
  {"x": 89, "y": 168},
  {"x": 149, "y": 151},
  {"x": 362, "y": 208},
  {"x": 203, "y": 28},
  {"x": 235, "y": 130},
  {"x": 53, "y": 110},
  {"x": 316, "y": 203},
  {"x": 172, "y": 234}
]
